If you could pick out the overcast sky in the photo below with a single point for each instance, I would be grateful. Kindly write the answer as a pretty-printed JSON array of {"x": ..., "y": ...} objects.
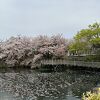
[{"x": 34, "y": 17}]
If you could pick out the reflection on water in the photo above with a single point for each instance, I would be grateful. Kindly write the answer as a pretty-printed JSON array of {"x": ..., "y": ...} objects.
[{"x": 32, "y": 85}]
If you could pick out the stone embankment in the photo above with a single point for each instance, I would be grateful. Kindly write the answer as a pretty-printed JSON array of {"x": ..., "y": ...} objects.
[{"x": 71, "y": 63}]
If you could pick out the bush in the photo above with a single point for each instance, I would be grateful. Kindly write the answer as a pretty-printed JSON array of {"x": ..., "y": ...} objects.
[{"x": 91, "y": 96}]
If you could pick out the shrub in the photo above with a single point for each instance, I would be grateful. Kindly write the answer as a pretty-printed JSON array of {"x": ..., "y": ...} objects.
[{"x": 91, "y": 96}]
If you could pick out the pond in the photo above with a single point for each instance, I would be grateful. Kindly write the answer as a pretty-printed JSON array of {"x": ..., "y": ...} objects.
[{"x": 26, "y": 84}]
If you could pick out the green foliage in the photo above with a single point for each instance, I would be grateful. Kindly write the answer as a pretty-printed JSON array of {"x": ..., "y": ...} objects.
[
  {"x": 91, "y": 34},
  {"x": 78, "y": 46},
  {"x": 86, "y": 39},
  {"x": 83, "y": 35},
  {"x": 95, "y": 58},
  {"x": 95, "y": 41}
]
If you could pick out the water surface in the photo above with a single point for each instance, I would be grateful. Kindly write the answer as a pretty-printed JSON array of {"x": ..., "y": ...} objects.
[{"x": 26, "y": 84}]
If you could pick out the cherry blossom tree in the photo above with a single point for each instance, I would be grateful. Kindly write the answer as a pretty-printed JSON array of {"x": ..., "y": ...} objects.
[{"x": 27, "y": 51}]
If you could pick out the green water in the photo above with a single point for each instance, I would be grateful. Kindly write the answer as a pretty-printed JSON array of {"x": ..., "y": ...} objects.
[{"x": 25, "y": 84}]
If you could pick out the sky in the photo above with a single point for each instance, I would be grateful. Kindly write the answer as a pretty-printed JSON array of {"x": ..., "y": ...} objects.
[{"x": 46, "y": 17}]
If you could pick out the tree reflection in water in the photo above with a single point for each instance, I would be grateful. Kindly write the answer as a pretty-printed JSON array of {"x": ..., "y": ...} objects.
[{"x": 32, "y": 85}]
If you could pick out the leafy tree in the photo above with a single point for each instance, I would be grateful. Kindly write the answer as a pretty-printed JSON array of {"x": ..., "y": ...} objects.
[
  {"x": 86, "y": 39},
  {"x": 90, "y": 35}
]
